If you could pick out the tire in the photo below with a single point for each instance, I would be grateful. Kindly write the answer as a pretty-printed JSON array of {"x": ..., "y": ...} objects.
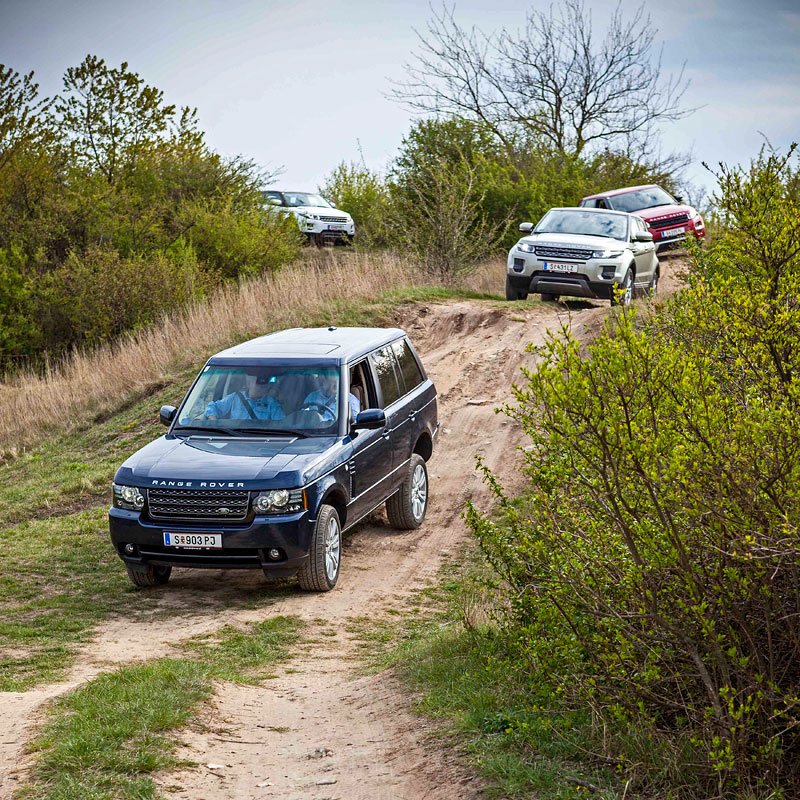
[
  {"x": 547, "y": 297},
  {"x": 406, "y": 508},
  {"x": 627, "y": 288},
  {"x": 321, "y": 570},
  {"x": 149, "y": 576},
  {"x": 514, "y": 294},
  {"x": 652, "y": 287}
]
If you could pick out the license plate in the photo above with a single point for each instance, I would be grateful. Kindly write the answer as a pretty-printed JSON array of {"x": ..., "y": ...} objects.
[
  {"x": 672, "y": 232},
  {"x": 336, "y": 227},
  {"x": 195, "y": 541},
  {"x": 550, "y": 267}
]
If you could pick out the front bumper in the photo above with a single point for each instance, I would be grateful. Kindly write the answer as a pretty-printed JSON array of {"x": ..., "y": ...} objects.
[
  {"x": 243, "y": 547},
  {"x": 595, "y": 278},
  {"x": 320, "y": 228}
]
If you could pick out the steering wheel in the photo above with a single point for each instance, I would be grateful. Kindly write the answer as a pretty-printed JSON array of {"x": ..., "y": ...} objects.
[{"x": 321, "y": 408}]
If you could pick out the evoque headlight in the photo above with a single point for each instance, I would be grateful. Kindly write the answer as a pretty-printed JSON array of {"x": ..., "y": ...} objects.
[
  {"x": 129, "y": 497},
  {"x": 526, "y": 247},
  {"x": 606, "y": 253},
  {"x": 279, "y": 501}
]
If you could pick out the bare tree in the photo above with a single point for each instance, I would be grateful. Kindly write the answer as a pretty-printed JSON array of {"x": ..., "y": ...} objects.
[{"x": 553, "y": 81}]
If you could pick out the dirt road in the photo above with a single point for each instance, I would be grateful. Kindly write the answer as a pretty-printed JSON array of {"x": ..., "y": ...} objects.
[{"x": 319, "y": 730}]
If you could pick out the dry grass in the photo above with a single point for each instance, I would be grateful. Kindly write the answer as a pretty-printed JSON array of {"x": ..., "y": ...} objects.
[{"x": 93, "y": 383}]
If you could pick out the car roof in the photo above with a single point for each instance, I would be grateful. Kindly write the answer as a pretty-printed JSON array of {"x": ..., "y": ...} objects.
[
  {"x": 330, "y": 345},
  {"x": 592, "y": 210},
  {"x": 612, "y": 192}
]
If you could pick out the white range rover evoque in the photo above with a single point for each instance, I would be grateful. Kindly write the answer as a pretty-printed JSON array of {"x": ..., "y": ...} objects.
[
  {"x": 315, "y": 216},
  {"x": 583, "y": 252}
]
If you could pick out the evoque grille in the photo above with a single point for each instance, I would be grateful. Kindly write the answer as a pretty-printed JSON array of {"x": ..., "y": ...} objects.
[
  {"x": 565, "y": 253},
  {"x": 190, "y": 505},
  {"x": 333, "y": 219},
  {"x": 678, "y": 219}
]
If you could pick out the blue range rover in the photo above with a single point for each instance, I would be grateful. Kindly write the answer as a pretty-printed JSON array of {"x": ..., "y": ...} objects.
[{"x": 281, "y": 443}]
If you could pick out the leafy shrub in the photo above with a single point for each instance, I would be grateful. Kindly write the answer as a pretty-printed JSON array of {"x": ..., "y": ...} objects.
[
  {"x": 654, "y": 558},
  {"x": 365, "y": 196}
]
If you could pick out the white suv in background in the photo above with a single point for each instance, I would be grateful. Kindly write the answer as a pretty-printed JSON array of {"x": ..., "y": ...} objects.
[{"x": 316, "y": 217}]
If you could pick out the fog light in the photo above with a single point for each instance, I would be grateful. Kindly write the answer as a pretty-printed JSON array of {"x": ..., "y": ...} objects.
[
  {"x": 130, "y": 549},
  {"x": 274, "y": 554}
]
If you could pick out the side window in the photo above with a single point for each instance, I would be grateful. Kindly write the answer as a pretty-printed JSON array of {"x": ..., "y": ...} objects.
[
  {"x": 383, "y": 361},
  {"x": 409, "y": 368},
  {"x": 361, "y": 386}
]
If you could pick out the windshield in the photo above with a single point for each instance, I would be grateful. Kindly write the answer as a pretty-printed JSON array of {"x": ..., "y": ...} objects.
[
  {"x": 641, "y": 198},
  {"x": 294, "y": 199},
  {"x": 586, "y": 223},
  {"x": 274, "y": 399}
]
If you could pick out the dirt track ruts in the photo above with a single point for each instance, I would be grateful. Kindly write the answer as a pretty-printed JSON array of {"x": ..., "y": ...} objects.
[{"x": 319, "y": 730}]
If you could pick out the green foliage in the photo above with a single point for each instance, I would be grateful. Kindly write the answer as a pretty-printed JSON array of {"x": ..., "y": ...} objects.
[
  {"x": 100, "y": 188},
  {"x": 365, "y": 195},
  {"x": 655, "y": 556}
]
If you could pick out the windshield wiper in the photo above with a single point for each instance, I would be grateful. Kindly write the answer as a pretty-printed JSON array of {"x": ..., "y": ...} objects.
[
  {"x": 273, "y": 431},
  {"x": 203, "y": 429}
]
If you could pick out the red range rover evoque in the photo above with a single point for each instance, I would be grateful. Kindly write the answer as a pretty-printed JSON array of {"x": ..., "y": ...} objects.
[{"x": 668, "y": 219}]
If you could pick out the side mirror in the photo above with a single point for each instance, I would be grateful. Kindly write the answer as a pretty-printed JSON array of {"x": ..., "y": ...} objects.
[
  {"x": 643, "y": 236},
  {"x": 167, "y": 414},
  {"x": 678, "y": 198},
  {"x": 526, "y": 227},
  {"x": 372, "y": 418}
]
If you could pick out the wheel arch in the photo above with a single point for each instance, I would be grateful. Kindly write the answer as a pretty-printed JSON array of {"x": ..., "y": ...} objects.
[{"x": 424, "y": 446}]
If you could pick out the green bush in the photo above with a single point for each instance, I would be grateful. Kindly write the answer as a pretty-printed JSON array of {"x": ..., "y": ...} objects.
[
  {"x": 654, "y": 558},
  {"x": 365, "y": 196}
]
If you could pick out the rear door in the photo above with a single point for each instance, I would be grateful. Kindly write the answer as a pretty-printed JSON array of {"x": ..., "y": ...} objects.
[{"x": 390, "y": 384}]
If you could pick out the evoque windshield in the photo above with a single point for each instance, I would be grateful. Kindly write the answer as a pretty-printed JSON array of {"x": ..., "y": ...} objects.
[
  {"x": 274, "y": 399},
  {"x": 586, "y": 223},
  {"x": 299, "y": 199}
]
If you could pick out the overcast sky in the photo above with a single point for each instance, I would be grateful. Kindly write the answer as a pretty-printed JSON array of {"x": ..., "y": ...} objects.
[{"x": 301, "y": 84}]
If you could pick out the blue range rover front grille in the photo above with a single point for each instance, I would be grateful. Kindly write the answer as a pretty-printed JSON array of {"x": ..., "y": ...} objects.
[{"x": 178, "y": 504}]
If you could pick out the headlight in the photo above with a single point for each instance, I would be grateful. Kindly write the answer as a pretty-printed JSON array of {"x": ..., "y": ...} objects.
[
  {"x": 695, "y": 216},
  {"x": 314, "y": 216},
  {"x": 606, "y": 253},
  {"x": 526, "y": 247},
  {"x": 279, "y": 501},
  {"x": 129, "y": 497}
]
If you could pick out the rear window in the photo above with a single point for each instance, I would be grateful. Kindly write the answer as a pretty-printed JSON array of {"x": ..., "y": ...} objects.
[
  {"x": 409, "y": 368},
  {"x": 384, "y": 363}
]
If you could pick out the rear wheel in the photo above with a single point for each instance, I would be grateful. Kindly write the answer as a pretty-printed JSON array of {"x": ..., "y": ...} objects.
[
  {"x": 148, "y": 575},
  {"x": 406, "y": 508},
  {"x": 513, "y": 293},
  {"x": 321, "y": 570},
  {"x": 622, "y": 293}
]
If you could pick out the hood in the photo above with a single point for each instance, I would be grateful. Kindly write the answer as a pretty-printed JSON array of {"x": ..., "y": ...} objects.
[
  {"x": 253, "y": 462},
  {"x": 657, "y": 212},
  {"x": 574, "y": 239}
]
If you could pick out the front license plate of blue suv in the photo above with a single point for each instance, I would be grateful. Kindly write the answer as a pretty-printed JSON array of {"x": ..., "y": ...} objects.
[
  {"x": 550, "y": 267},
  {"x": 195, "y": 540}
]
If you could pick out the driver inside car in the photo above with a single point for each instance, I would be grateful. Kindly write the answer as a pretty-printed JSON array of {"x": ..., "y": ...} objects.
[
  {"x": 327, "y": 394},
  {"x": 255, "y": 402}
]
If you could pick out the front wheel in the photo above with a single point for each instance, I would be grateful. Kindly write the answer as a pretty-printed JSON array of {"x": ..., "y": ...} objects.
[
  {"x": 622, "y": 293},
  {"x": 549, "y": 298},
  {"x": 652, "y": 287},
  {"x": 406, "y": 508},
  {"x": 321, "y": 570},
  {"x": 512, "y": 293},
  {"x": 148, "y": 575}
]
